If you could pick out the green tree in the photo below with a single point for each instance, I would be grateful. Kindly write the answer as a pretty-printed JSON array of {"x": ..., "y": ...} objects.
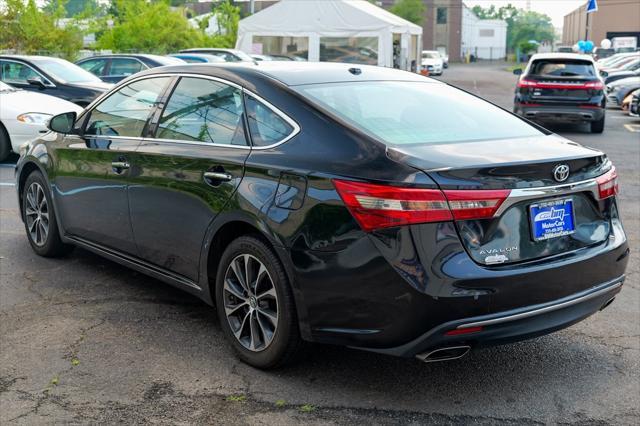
[
  {"x": 228, "y": 17},
  {"x": 74, "y": 7},
  {"x": 27, "y": 29},
  {"x": 148, "y": 26},
  {"x": 411, "y": 10},
  {"x": 522, "y": 25}
]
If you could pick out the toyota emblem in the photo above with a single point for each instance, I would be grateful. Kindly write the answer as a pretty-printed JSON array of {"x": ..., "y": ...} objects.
[{"x": 561, "y": 172}]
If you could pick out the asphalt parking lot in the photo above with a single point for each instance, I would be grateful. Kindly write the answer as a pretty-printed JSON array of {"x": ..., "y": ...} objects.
[{"x": 84, "y": 340}]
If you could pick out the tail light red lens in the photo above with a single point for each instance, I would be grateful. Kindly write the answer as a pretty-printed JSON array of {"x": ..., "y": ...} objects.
[
  {"x": 592, "y": 85},
  {"x": 475, "y": 204},
  {"x": 608, "y": 184},
  {"x": 382, "y": 206}
]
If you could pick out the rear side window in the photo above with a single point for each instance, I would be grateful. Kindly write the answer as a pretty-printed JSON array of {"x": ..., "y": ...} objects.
[
  {"x": 125, "y": 112},
  {"x": 266, "y": 126},
  {"x": 201, "y": 110},
  {"x": 401, "y": 112},
  {"x": 562, "y": 68}
]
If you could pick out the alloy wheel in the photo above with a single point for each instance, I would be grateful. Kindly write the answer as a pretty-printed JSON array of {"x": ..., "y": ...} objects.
[
  {"x": 250, "y": 302},
  {"x": 37, "y": 214}
]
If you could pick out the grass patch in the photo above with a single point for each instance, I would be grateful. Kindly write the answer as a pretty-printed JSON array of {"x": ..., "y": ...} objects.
[
  {"x": 307, "y": 408},
  {"x": 236, "y": 398},
  {"x": 75, "y": 361},
  {"x": 281, "y": 403}
]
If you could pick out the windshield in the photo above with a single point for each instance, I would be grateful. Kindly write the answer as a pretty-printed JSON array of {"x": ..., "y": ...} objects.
[
  {"x": 401, "y": 113},
  {"x": 428, "y": 55},
  {"x": 66, "y": 71},
  {"x": 562, "y": 68}
]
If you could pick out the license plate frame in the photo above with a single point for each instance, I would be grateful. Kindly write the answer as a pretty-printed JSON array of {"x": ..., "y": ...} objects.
[{"x": 552, "y": 219}]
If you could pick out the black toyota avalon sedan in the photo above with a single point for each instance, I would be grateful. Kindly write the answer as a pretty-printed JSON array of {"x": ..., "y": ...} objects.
[
  {"x": 561, "y": 87},
  {"x": 332, "y": 203}
]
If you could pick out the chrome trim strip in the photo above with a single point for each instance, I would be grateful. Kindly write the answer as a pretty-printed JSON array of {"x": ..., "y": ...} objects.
[
  {"x": 289, "y": 120},
  {"x": 522, "y": 194},
  {"x": 604, "y": 288}
]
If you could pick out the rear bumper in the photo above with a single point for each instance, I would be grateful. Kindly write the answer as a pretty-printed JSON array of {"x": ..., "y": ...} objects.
[
  {"x": 560, "y": 113},
  {"x": 513, "y": 325}
]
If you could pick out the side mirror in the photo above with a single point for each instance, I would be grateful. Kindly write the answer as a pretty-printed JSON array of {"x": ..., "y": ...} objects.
[
  {"x": 62, "y": 123},
  {"x": 517, "y": 71},
  {"x": 604, "y": 73},
  {"x": 36, "y": 81}
]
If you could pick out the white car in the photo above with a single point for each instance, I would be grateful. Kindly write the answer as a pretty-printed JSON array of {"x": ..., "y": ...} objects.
[
  {"x": 24, "y": 116},
  {"x": 432, "y": 61}
]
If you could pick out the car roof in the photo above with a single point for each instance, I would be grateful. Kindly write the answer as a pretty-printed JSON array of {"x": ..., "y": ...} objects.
[
  {"x": 30, "y": 57},
  {"x": 202, "y": 49},
  {"x": 122, "y": 55},
  {"x": 294, "y": 73},
  {"x": 561, "y": 55}
]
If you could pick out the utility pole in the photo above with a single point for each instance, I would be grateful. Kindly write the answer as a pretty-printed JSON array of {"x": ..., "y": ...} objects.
[{"x": 252, "y": 6}]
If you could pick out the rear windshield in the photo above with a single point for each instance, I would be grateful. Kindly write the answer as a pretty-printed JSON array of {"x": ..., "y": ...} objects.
[
  {"x": 562, "y": 68},
  {"x": 401, "y": 113}
]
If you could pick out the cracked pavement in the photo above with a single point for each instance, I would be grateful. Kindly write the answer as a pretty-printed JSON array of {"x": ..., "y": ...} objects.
[{"x": 84, "y": 340}]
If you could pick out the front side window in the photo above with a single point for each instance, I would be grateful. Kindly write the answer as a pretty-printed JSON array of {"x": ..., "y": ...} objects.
[
  {"x": 15, "y": 72},
  {"x": 125, "y": 112},
  {"x": 266, "y": 127},
  {"x": 94, "y": 66},
  {"x": 201, "y": 110},
  {"x": 402, "y": 113},
  {"x": 124, "y": 67}
]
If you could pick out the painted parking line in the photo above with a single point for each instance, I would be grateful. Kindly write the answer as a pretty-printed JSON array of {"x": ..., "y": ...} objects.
[
  {"x": 8, "y": 166},
  {"x": 7, "y": 184},
  {"x": 634, "y": 128}
]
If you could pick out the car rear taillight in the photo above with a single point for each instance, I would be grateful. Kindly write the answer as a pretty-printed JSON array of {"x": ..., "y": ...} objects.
[
  {"x": 590, "y": 85},
  {"x": 381, "y": 206},
  {"x": 594, "y": 85},
  {"x": 527, "y": 83},
  {"x": 608, "y": 184},
  {"x": 377, "y": 206},
  {"x": 475, "y": 204}
]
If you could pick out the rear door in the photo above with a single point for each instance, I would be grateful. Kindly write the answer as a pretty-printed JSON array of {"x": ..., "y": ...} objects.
[
  {"x": 186, "y": 173},
  {"x": 93, "y": 170}
]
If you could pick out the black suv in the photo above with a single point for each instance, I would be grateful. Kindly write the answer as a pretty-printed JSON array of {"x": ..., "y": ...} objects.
[
  {"x": 53, "y": 76},
  {"x": 561, "y": 87}
]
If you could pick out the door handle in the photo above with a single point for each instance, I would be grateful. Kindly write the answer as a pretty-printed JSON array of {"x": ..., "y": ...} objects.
[
  {"x": 119, "y": 166},
  {"x": 218, "y": 176}
]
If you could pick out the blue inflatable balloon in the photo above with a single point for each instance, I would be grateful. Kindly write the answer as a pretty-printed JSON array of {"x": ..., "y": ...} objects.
[
  {"x": 588, "y": 46},
  {"x": 581, "y": 45}
]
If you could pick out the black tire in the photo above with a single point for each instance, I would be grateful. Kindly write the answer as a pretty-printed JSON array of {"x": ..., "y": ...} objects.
[
  {"x": 5, "y": 144},
  {"x": 51, "y": 245},
  {"x": 597, "y": 126},
  {"x": 286, "y": 342}
]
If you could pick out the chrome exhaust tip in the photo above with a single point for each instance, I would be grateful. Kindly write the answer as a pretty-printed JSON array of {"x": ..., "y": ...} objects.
[{"x": 444, "y": 354}]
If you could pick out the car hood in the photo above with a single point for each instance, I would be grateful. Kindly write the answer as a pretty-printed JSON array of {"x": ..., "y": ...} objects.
[
  {"x": 631, "y": 81},
  {"x": 93, "y": 85},
  {"x": 23, "y": 101}
]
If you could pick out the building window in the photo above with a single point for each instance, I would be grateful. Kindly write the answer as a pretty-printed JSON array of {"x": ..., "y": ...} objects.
[
  {"x": 441, "y": 15},
  {"x": 487, "y": 32}
]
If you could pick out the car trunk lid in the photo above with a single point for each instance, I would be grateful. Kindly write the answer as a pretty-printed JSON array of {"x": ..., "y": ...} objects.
[{"x": 540, "y": 216}]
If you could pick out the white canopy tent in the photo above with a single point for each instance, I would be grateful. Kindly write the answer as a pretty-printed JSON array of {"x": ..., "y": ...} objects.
[{"x": 332, "y": 30}]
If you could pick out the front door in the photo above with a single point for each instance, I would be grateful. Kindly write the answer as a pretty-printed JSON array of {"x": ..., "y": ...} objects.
[
  {"x": 93, "y": 170},
  {"x": 187, "y": 172}
]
